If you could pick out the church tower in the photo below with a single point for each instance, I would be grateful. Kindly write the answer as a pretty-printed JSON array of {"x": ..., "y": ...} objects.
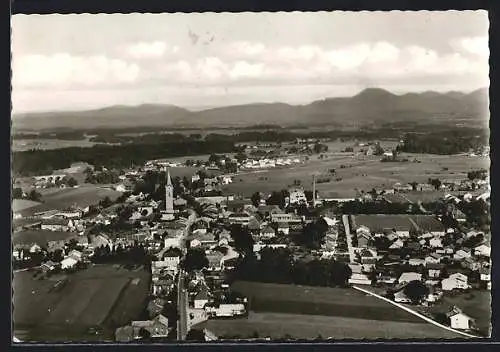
[{"x": 169, "y": 195}]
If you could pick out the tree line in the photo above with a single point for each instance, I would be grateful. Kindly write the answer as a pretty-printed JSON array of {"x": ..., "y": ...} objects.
[{"x": 31, "y": 162}]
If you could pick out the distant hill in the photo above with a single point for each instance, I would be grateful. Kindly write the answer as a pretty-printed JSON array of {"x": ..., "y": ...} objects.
[{"x": 372, "y": 105}]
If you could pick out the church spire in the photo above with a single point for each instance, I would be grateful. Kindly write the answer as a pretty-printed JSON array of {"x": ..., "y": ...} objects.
[{"x": 169, "y": 181}]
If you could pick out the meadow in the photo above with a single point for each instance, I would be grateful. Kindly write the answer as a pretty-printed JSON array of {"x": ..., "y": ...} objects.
[
  {"x": 89, "y": 298},
  {"x": 304, "y": 312},
  {"x": 298, "y": 326},
  {"x": 356, "y": 172}
]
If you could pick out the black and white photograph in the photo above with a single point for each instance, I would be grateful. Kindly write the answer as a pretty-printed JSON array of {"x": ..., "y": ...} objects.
[{"x": 250, "y": 177}]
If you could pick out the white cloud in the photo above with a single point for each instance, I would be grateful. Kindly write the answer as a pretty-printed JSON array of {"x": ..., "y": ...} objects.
[
  {"x": 65, "y": 71},
  {"x": 150, "y": 50},
  {"x": 474, "y": 45}
]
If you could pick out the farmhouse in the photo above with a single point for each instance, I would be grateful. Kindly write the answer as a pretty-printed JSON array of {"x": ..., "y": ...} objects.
[
  {"x": 401, "y": 297},
  {"x": 68, "y": 263},
  {"x": 482, "y": 251},
  {"x": 57, "y": 224},
  {"x": 459, "y": 320},
  {"x": 158, "y": 327},
  {"x": 267, "y": 232},
  {"x": 434, "y": 270},
  {"x": 454, "y": 281},
  {"x": 226, "y": 310},
  {"x": 201, "y": 298},
  {"x": 462, "y": 254},
  {"x": 409, "y": 277},
  {"x": 239, "y": 219}
]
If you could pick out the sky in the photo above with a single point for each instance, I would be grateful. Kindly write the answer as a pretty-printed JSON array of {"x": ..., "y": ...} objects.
[{"x": 86, "y": 61}]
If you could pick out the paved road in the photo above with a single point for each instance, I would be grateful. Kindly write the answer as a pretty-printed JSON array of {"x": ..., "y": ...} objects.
[
  {"x": 350, "y": 248},
  {"x": 411, "y": 311},
  {"x": 182, "y": 304}
]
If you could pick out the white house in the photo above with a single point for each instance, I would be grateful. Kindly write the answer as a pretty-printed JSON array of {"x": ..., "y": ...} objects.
[
  {"x": 201, "y": 299},
  {"x": 68, "y": 262},
  {"x": 436, "y": 242},
  {"x": 485, "y": 274},
  {"x": 267, "y": 232},
  {"x": 283, "y": 228},
  {"x": 297, "y": 196},
  {"x": 459, "y": 320},
  {"x": 397, "y": 244},
  {"x": 409, "y": 277},
  {"x": 401, "y": 297},
  {"x": 455, "y": 281},
  {"x": 462, "y": 254},
  {"x": 359, "y": 279},
  {"x": 482, "y": 251}
]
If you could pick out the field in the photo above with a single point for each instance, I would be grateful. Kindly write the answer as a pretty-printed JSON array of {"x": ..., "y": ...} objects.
[
  {"x": 359, "y": 172},
  {"x": 22, "y": 204},
  {"x": 91, "y": 298},
  {"x": 379, "y": 222},
  {"x": 298, "y": 326},
  {"x": 65, "y": 197},
  {"x": 40, "y": 237},
  {"x": 352, "y": 314},
  {"x": 19, "y": 145}
]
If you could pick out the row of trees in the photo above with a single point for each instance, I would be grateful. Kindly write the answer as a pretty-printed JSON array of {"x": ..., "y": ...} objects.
[
  {"x": 451, "y": 142},
  {"x": 279, "y": 266},
  {"x": 113, "y": 156}
]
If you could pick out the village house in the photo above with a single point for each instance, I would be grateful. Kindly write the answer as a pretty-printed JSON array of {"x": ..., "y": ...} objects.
[
  {"x": 57, "y": 224},
  {"x": 401, "y": 297},
  {"x": 283, "y": 228},
  {"x": 226, "y": 310},
  {"x": 398, "y": 244},
  {"x": 201, "y": 298},
  {"x": 409, "y": 277},
  {"x": 68, "y": 263},
  {"x": 454, "y": 281},
  {"x": 485, "y": 274},
  {"x": 416, "y": 262},
  {"x": 359, "y": 279},
  {"x": 433, "y": 258},
  {"x": 459, "y": 320},
  {"x": 214, "y": 260},
  {"x": 53, "y": 246},
  {"x": 267, "y": 232},
  {"x": 470, "y": 263},
  {"x": 461, "y": 254},
  {"x": 434, "y": 270},
  {"x": 239, "y": 219},
  {"x": 436, "y": 242},
  {"x": 158, "y": 327},
  {"x": 482, "y": 251},
  {"x": 155, "y": 306}
]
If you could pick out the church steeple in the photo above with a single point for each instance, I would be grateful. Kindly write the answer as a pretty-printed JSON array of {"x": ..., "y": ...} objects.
[
  {"x": 169, "y": 195},
  {"x": 169, "y": 181}
]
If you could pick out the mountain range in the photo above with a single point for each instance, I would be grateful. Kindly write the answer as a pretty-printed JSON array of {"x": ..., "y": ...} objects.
[{"x": 371, "y": 106}]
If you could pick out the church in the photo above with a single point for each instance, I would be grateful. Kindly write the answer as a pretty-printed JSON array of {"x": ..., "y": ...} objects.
[{"x": 168, "y": 213}]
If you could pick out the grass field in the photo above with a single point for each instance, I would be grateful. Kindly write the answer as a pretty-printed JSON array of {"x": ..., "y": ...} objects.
[
  {"x": 40, "y": 237},
  {"x": 22, "y": 204},
  {"x": 278, "y": 325},
  {"x": 305, "y": 312},
  {"x": 88, "y": 299},
  {"x": 62, "y": 198},
  {"x": 362, "y": 172}
]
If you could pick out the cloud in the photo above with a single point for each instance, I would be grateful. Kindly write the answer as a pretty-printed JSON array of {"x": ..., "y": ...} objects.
[
  {"x": 473, "y": 45},
  {"x": 150, "y": 50},
  {"x": 65, "y": 71}
]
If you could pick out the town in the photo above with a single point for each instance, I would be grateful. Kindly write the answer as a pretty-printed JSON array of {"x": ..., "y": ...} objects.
[{"x": 196, "y": 246}]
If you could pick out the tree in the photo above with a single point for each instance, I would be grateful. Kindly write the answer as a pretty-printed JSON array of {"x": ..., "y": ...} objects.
[
  {"x": 106, "y": 202},
  {"x": 195, "y": 259},
  {"x": 72, "y": 182},
  {"x": 34, "y": 196},
  {"x": 415, "y": 291},
  {"x": 256, "y": 199},
  {"x": 414, "y": 185},
  {"x": 243, "y": 241},
  {"x": 195, "y": 335},
  {"x": 241, "y": 157},
  {"x": 17, "y": 193}
]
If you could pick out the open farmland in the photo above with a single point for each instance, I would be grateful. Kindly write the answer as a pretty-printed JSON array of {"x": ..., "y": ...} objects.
[
  {"x": 85, "y": 299},
  {"x": 298, "y": 326},
  {"x": 22, "y": 204},
  {"x": 358, "y": 172},
  {"x": 305, "y": 312},
  {"x": 63, "y": 198}
]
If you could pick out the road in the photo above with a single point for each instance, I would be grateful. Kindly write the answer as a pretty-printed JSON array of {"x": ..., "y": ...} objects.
[
  {"x": 411, "y": 311},
  {"x": 350, "y": 248},
  {"x": 182, "y": 299},
  {"x": 182, "y": 303}
]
